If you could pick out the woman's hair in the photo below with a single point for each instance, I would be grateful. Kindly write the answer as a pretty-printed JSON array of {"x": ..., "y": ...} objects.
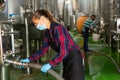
[{"x": 37, "y": 14}]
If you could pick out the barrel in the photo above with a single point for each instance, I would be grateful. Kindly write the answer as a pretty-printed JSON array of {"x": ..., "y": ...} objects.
[{"x": 80, "y": 22}]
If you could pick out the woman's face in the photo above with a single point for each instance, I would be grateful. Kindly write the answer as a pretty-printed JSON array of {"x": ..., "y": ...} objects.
[{"x": 37, "y": 21}]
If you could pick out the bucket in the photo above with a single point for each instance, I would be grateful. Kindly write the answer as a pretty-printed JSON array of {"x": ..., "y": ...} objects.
[{"x": 95, "y": 37}]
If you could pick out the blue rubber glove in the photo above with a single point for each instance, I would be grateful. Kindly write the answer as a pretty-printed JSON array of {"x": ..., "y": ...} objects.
[
  {"x": 45, "y": 67},
  {"x": 23, "y": 61}
]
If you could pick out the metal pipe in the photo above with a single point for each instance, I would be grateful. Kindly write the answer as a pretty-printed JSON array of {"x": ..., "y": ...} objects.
[
  {"x": 1, "y": 55},
  {"x": 27, "y": 37},
  {"x": 10, "y": 53},
  {"x": 9, "y": 32},
  {"x": 5, "y": 75},
  {"x": 27, "y": 42},
  {"x": 4, "y": 71},
  {"x": 118, "y": 48},
  {"x": 1, "y": 47},
  {"x": 6, "y": 22},
  {"x": 12, "y": 40},
  {"x": 15, "y": 62}
]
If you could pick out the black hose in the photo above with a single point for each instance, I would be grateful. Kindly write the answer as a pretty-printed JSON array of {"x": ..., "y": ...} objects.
[
  {"x": 36, "y": 66},
  {"x": 110, "y": 58},
  {"x": 52, "y": 72}
]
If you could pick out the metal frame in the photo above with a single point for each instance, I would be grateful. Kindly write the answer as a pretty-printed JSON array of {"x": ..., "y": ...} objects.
[
  {"x": 27, "y": 42},
  {"x": 4, "y": 70}
]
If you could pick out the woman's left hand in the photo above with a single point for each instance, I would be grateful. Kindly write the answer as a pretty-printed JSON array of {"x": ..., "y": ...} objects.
[{"x": 45, "y": 67}]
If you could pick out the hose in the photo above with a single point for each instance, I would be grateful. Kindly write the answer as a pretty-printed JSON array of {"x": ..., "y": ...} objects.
[
  {"x": 110, "y": 58},
  {"x": 36, "y": 66},
  {"x": 50, "y": 71}
]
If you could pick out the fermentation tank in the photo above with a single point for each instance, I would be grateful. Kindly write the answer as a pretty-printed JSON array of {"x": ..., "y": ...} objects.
[
  {"x": 67, "y": 12},
  {"x": 84, "y": 6},
  {"x": 14, "y": 9},
  {"x": 60, "y": 8}
]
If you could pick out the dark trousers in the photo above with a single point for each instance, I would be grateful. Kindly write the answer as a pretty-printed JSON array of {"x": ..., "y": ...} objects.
[
  {"x": 73, "y": 66},
  {"x": 85, "y": 35}
]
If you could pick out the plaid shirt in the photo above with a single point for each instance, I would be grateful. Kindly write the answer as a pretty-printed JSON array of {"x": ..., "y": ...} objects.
[{"x": 60, "y": 40}]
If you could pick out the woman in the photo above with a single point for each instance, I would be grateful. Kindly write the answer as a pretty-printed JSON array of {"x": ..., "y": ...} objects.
[{"x": 60, "y": 40}]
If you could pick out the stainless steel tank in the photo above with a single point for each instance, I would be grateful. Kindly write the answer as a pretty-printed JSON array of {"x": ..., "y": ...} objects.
[
  {"x": 67, "y": 12},
  {"x": 14, "y": 9},
  {"x": 53, "y": 7},
  {"x": 114, "y": 14},
  {"x": 36, "y": 4},
  {"x": 75, "y": 5},
  {"x": 89, "y": 6},
  {"x": 50, "y": 5},
  {"x": 84, "y": 6},
  {"x": 17, "y": 8},
  {"x": 60, "y": 7}
]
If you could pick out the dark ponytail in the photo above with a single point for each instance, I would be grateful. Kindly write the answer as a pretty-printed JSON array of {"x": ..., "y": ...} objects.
[{"x": 37, "y": 14}]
